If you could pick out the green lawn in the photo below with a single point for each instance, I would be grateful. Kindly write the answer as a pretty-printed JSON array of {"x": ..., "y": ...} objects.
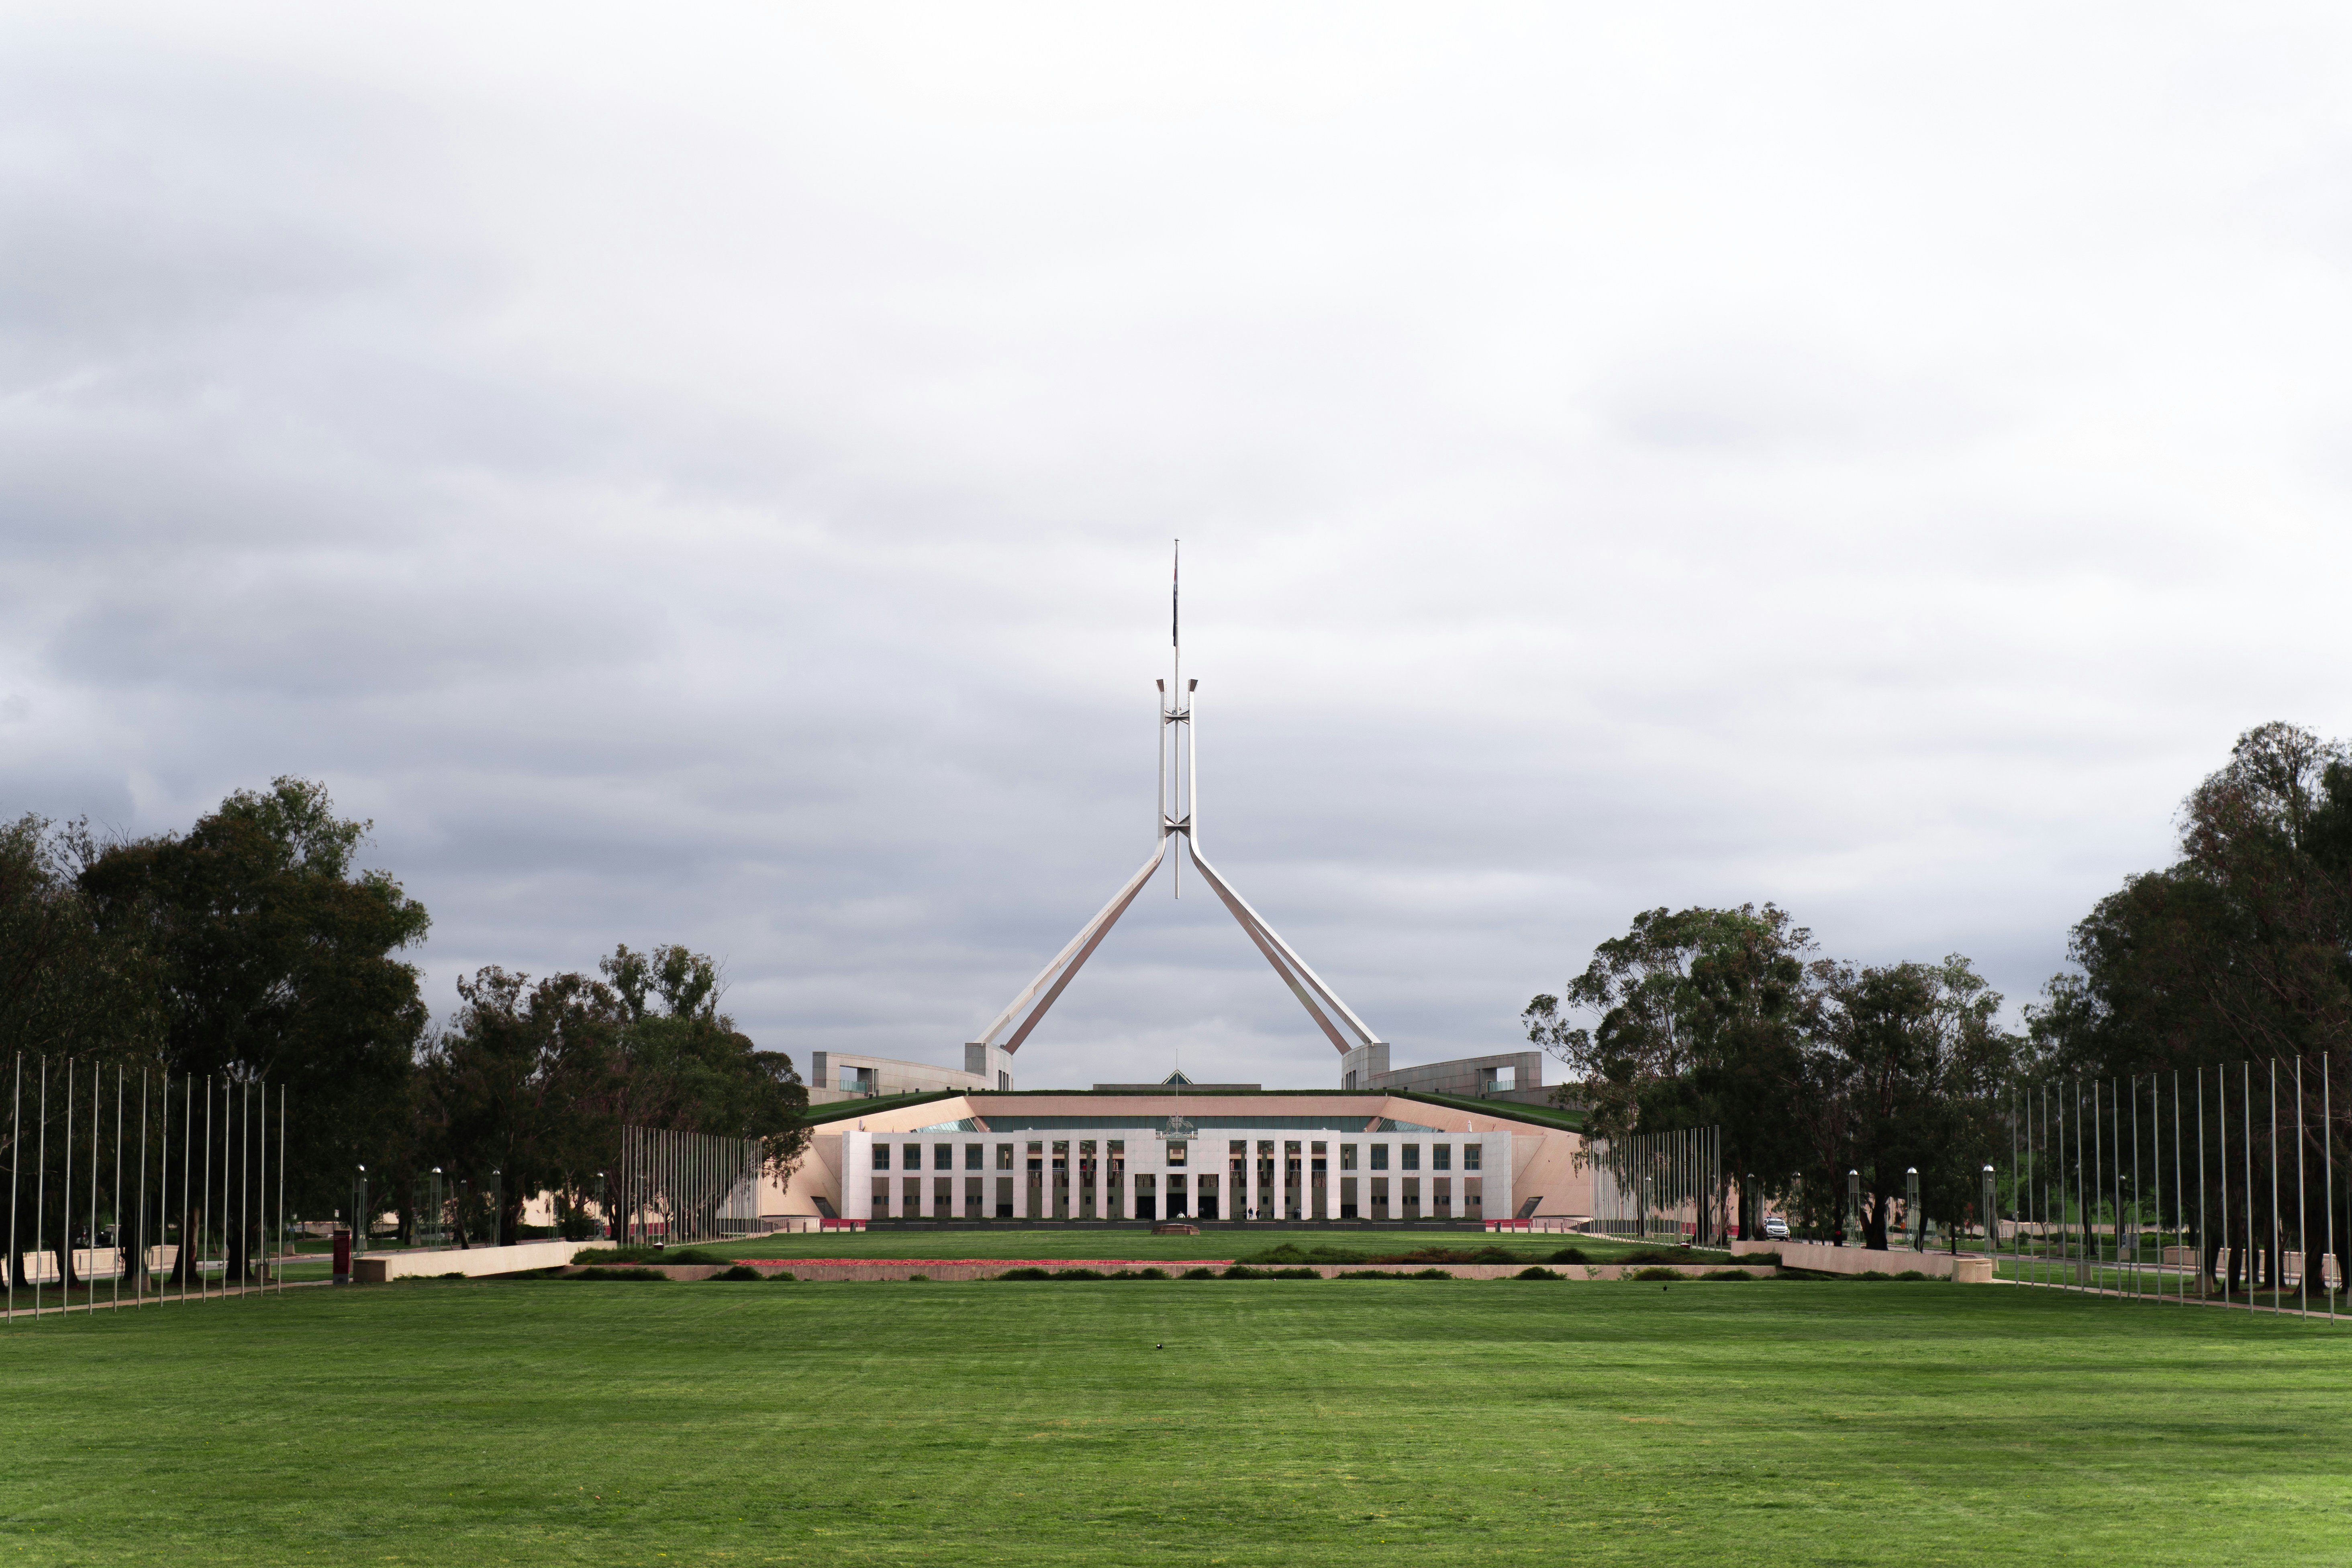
[
  {"x": 1284, "y": 1423},
  {"x": 1137, "y": 1245}
]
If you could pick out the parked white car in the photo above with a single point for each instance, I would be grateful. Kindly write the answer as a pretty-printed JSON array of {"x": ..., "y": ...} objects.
[{"x": 1775, "y": 1228}]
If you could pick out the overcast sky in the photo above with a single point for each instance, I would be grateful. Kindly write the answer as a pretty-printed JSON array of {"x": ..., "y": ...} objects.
[{"x": 706, "y": 474}]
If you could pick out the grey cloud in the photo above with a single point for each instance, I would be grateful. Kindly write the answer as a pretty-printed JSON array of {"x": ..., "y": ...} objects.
[{"x": 710, "y": 481}]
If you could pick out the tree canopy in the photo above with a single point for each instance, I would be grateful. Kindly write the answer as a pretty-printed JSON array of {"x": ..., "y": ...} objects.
[{"x": 1809, "y": 1068}]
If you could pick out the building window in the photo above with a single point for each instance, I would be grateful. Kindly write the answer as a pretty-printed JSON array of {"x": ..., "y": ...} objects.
[
  {"x": 943, "y": 1156},
  {"x": 973, "y": 1155},
  {"x": 1004, "y": 1156},
  {"x": 1472, "y": 1198},
  {"x": 1441, "y": 1196},
  {"x": 1347, "y": 1156},
  {"x": 1411, "y": 1156},
  {"x": 1470, "y": 1152},
  {"x": 1441, "y": 1156},
  {"x": 914, "y": 1158},
  {"x": 1412, "y": 1197},
  {"x": 882, "y": 1197},
  {"x": 1036, "y": 1159},
  {"x": 1381, "y": 1157},
  {"x": 1176, "y": 1152},
  {"x": 1004, "y": 1184},
  {"x": 881, "y": 1156},
  {"x": 1346, "y": 1197},
  {"x": 1379, "y": 1197}
]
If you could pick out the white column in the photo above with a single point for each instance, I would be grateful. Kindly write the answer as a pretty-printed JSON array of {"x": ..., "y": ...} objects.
[
  {"x": 856, "y": 1176},
  {"x": 1495, "y": 1160},
  {"x": 1281, "y": 1207}
]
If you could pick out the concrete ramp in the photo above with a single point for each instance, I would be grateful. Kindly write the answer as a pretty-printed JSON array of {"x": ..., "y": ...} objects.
[{"x": 381, "y": 1268}]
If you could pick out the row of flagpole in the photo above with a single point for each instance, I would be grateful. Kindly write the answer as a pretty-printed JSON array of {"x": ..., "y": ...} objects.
[
  {"x": 236, "y": 1116},
  {"x": 1649, "y": 1177},
  {"x": 684, "y": 1186},
  {"x": 2073, "y": 1157}
]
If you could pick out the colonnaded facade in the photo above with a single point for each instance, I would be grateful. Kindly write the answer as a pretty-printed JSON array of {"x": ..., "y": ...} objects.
[{"x": 1234, "y": 1153}]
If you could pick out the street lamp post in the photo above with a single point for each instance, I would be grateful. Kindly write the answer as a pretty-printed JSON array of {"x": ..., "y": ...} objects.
[
  {"x": 1912, "y": 1212},
  {"x": 1853, "y": 1207}
]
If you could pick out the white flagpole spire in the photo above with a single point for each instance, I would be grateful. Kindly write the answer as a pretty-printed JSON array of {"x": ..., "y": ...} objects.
[{"x": 1178, "y": 817}]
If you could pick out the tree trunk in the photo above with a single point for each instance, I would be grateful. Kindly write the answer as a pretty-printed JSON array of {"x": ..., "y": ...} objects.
[
  {"x": 1874, "y": 1223},
  {"x": 2209, "y": 1274},
  {"x": 183, "y": 1271}
]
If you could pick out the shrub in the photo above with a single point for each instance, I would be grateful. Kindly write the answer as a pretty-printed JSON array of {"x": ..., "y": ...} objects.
[
  {"x": 1569, "y": 1255},
  {"x": 1024, "y": 1274},
  {"x": 741, "y": 1271},
  {"x": 1212, "y": 1274},
  {"x": 1914, "y": 1274},
  {"x": 1659, "y": 1255},
  {"x": 1872, "y": 1274},
  {"x": 1238, "y": 1271},
  {"x": 1148, "y": 1274},
  {"x": 1385, "y": 1274},
  {"x": 918, "y": 1279},
  {"x": 645, "y": 1255},
  {"x": 1081, "y": 1274},
  {"x": 1760, "y": 1259},
  {"x": 615, "y": 1276},
  {"x": 1538, "y": 1273},
  {"x": 785, "y": 1274},
  {"x": 1728, "y": 1274},
  {"x": 1655, "y": 1274}
]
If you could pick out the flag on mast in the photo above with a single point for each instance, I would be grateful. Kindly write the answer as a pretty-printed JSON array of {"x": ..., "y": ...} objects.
[{"x": 1175, "y": 580}]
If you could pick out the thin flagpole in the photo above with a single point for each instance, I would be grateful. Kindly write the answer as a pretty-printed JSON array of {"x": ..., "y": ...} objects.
[
  {"x": 15, "y": 1164},
  {"x": 183, "y": 1260},
  {"x": 2147, "y": 1210},
  {"x": 90, "y": 1286},
  {"x": 2246, "y": 1116},
  {"x": 2180, "y": 1207},
  {"x": 2302, "y": 1212},
  {"x": 138, "y": 1280},
  {"x": 281, "y": 1186},
  {"x": 244, "y": 1184},
  {"x": 2327, "y": 1152},
  {"x": 209, "y": 1166},
  {"x": 2200, "y": 1182},
  {"x": 2277, "y": 1263},
  {"x": 121, "y": 1259},
  {"x": 41, "y": 1189},
  {"x": 65, "y": 1199},
  {"x": 180, "y": 1213}
]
